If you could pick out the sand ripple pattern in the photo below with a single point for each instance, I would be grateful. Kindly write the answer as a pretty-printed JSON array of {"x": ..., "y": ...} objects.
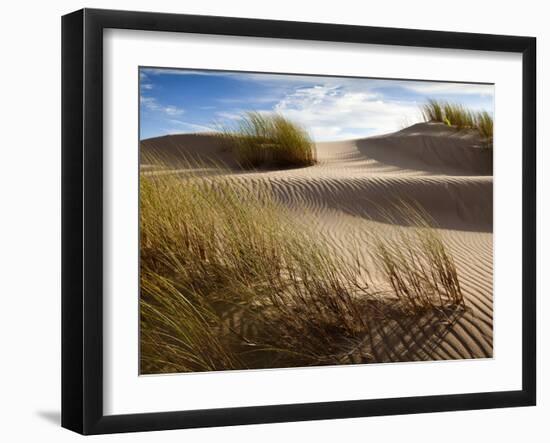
[{"x": 343, "y": 197}]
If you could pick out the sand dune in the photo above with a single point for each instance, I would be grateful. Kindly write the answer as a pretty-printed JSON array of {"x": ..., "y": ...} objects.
[
  {"x": 202, "y": 147},
  {"x": 345, "y": 194},
  {"x": 421, "y": 147}
]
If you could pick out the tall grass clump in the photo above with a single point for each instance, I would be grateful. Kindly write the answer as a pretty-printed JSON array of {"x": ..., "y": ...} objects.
[
  {"x": 433, "y": 111},
  {"x": 211, "y": 248},
  {"x": 416, "y": 264},
  {"x": 229, "y": 279},
  {"x": 270, "y": 141},
  {"x": 484, "y": 124},
  {"x": 458, "y": 116}
]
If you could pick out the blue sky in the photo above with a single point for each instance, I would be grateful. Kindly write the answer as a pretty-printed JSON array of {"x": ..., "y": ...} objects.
[{"x": 331, "y": 108}]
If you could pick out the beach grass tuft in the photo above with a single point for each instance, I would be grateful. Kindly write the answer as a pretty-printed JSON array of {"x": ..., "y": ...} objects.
[
  {"x": 416, "y": 264},
  {"x": 460, "y": 117},
  {"x": 261, "y": 140}
]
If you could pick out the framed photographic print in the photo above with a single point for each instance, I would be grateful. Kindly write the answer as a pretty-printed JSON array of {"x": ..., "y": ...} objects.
[{"x": 269, "y": 221}]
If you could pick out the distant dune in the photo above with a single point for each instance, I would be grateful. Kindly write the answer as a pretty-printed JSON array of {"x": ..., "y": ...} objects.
[
  {"x": 355, "y": 181},
  {"x": 431, "y": 147},
  {"x": 201, "y": 147}
]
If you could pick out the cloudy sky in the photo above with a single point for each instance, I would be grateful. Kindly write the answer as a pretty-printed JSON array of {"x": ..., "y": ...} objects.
[{"x": 331, "y": 108}]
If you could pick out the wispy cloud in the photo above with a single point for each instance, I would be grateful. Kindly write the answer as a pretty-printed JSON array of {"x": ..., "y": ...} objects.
[
  {"x": 432, "y": 88},
  {"x": 152, "y": 104},
  {"x": 249, "y": 100},
  {"x": 179, "y": 126},
  {"x": 172, "y": 110},
  {"x": 223, "y": 115}
]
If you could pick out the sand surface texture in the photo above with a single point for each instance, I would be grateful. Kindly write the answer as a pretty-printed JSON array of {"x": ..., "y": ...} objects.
[{"x": 343, "y": 197}]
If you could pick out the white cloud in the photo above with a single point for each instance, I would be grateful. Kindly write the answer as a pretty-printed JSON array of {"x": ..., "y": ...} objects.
[
  {"x": 331, "y": 112},
  {"x": 172, "y": 110},
  {"x": 149, "y": 103},
  {"x": 223, "y": 115},
  {"x": 179, "y": 126},
  {"x": 268, "y": 98},
  {"x": 434, "y": 88},
  {"x": 152, "y": 104}
]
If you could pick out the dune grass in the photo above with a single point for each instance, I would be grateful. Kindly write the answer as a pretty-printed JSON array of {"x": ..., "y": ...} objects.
[
  {"x": 433, "y": 111},
  {"x": 230, "y": 280},
  {"x": 214, "y": 247},
  {"x": 269, "y": 141},
  {"x": 420, "y": 271},
  {"x": 458, "y": 116},
  {"x": 484, "y": 124}
]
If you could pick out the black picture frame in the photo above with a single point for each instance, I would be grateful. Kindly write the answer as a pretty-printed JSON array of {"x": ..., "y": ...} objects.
[{"x": 82, "y": 219}]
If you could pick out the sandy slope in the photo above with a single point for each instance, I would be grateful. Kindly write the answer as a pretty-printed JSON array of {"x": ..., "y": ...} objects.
[{"x": 354, "y": 180}]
